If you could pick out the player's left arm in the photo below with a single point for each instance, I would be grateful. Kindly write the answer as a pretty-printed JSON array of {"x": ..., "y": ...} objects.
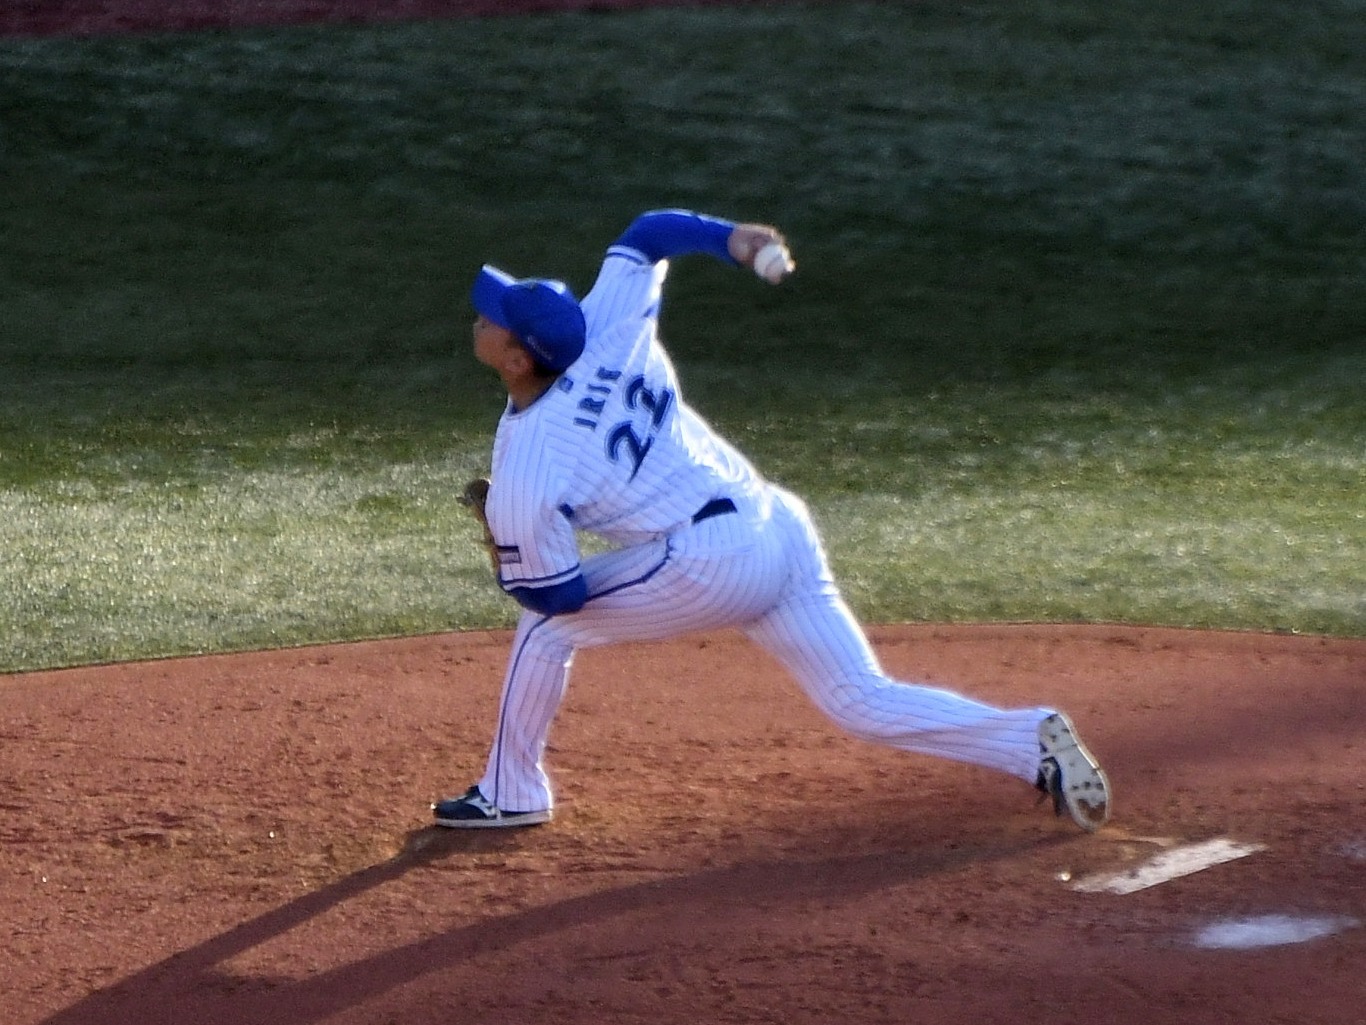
[
  {"x": 554, "y": 600},
  {"x": 535, "y": 552}
]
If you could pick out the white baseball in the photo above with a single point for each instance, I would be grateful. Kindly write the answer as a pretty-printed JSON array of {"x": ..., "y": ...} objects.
[{"x": 773, "y": 263}]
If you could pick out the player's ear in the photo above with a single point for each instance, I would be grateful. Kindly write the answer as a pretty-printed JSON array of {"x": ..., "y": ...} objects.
[{"x": 517, "y": 360}]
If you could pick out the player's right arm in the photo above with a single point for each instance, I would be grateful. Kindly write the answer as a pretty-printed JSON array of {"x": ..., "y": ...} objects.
[
  {"x": 630, "y": 285},
  {"x": 663, "y": 234}
]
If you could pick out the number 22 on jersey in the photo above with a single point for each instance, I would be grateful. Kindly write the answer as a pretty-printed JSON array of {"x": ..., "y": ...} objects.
[{"x": 629, "y": 440}]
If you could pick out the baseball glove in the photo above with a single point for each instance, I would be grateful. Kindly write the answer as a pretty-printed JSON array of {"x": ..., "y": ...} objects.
[{"x": 475, "y": 497}]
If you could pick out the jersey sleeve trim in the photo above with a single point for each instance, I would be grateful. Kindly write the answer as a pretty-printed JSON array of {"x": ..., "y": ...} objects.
[
  {"x": 507, "y": 584},
  {"x": 627, "y": 253}
]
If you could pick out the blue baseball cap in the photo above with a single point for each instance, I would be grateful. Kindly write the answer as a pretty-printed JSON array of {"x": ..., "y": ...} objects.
[{"x": 541, "y": 312}]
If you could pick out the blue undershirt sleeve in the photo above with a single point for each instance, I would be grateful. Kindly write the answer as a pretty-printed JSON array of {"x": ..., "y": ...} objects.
[
  {"x": 554, "y": 600},
  {"x": 662, "y": 234}
]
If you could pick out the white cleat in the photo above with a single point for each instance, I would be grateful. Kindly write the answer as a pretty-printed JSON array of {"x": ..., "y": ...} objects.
[{"x": 1070, "y": 775}]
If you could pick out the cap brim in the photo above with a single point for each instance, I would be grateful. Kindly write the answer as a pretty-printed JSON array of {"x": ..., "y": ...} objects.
[{"x": 487, "y": 294}]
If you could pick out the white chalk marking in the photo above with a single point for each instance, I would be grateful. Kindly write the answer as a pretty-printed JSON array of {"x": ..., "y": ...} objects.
[
  {"x": 1169, "y": 864},
  {"x": 1269, "y": 931},
  {"x": 1353, "y": 850}
]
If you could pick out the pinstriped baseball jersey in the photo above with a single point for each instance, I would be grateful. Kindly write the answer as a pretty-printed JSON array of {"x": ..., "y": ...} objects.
[{"x": 611, "y": 448}]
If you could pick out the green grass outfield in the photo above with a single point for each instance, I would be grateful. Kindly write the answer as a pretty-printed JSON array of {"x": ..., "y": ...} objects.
[{"x": 1078, "y": 333}]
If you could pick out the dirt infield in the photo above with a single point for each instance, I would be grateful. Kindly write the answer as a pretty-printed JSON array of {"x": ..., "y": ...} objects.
[{"x": 242, "y": 839}]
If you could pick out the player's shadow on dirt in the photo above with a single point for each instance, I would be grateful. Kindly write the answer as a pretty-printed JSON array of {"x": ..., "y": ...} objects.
[{"x": 193, "y": 985}]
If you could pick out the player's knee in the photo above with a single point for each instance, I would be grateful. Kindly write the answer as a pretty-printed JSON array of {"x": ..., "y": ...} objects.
[{"x": 850, "y": 707}]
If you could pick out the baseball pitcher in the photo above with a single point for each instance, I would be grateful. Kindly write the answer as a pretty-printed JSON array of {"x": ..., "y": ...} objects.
[{"x": 597, "y": 437}]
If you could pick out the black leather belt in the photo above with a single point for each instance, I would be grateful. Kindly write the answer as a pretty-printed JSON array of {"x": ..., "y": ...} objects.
[{"x": 716, "y": 507}]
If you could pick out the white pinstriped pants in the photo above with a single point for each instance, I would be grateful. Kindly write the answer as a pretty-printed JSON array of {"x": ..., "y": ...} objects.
[{"x": 764, "y": 571}]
